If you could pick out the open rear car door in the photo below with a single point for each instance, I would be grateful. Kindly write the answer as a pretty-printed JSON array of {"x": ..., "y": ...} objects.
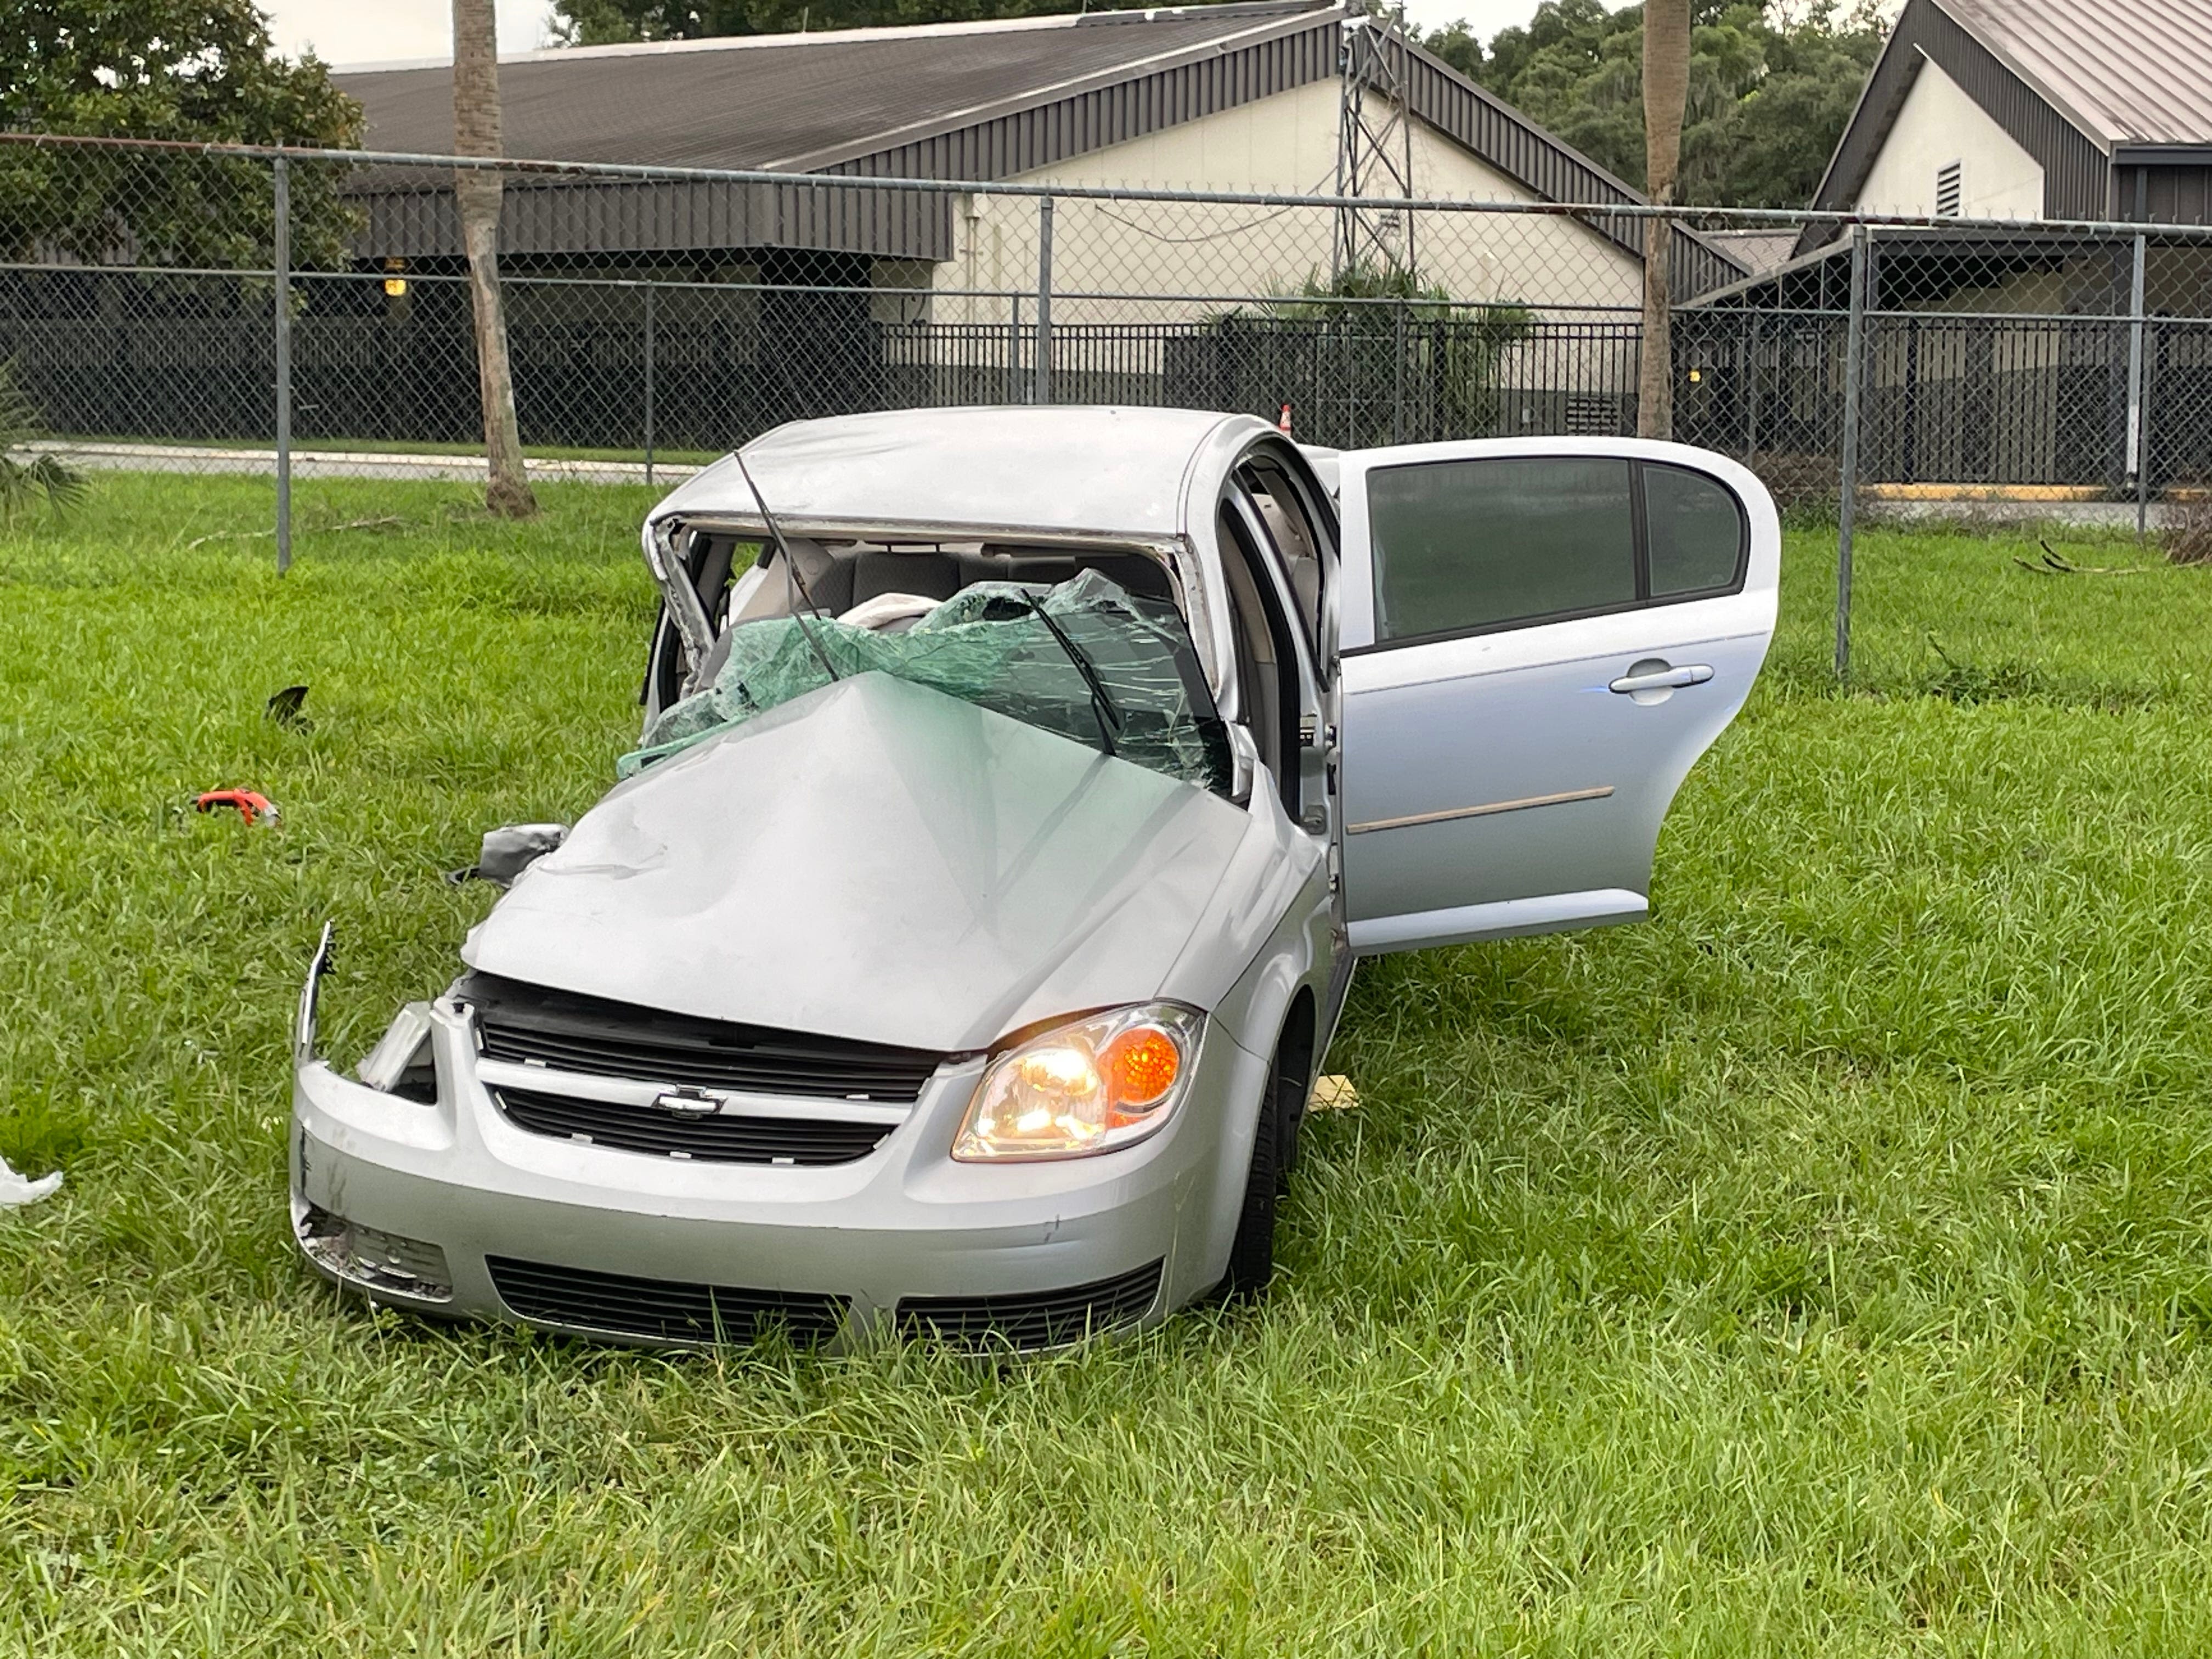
[{"x": 1538, "y": 637}]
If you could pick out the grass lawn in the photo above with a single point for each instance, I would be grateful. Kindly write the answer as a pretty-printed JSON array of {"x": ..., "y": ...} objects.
[{"x": 1824, "y": 1266}]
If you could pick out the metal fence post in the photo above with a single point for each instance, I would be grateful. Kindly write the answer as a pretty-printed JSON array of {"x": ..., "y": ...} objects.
[
  {"x": 1750, "y": 348},
  {"x": 1043, "y": 392},
  {"x": 648, "y": 384},
  {"x": 2138, "y": 468},
  {"x": 1398, "y": 370},
  {"x": 2151, "y": 355},
  {"x": 1847, "y": 498},
  {"x": 282, "y": 263}
]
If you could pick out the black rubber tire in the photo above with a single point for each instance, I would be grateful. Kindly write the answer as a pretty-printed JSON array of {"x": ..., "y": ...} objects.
[
  {"x": 1291, "y": 1093},
  {"x": 1252, "y": 1253}
]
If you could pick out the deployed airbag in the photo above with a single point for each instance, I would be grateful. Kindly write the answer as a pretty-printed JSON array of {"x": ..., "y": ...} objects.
[{"x": 987, "y": 645}]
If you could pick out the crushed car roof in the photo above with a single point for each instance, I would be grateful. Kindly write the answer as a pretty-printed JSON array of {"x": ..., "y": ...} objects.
[{"x": 1100, "y": 471}]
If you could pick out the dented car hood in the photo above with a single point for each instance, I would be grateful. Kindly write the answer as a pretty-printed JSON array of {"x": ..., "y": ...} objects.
[{"x": 876, "y": 860}]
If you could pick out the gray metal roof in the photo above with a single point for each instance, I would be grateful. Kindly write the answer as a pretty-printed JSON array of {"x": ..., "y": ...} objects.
[
  {"x": 2124, "y": 71},
  {"x": 958, "y": 101},
  {"x": 1759, "y": 250},
  {"x": 799, "y": 102}
]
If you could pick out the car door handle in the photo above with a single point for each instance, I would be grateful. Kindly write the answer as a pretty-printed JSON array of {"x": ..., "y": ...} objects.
[{"x": 1662, "y": 680}]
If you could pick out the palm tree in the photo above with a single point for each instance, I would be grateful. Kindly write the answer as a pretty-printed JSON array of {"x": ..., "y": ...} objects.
[
  {"x": 1665, "y": 88},
  {"x": 476, "y": 132}
]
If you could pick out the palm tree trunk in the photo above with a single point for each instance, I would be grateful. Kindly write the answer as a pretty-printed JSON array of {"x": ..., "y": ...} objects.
[
  {"x": 1665, "y": 89},
  {"x": 476, "y": 132}
]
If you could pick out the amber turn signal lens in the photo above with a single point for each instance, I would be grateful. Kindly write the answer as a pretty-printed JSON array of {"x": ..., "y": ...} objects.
[
  {"x": 1096, "y": 1084},
  {"x": 1140, "y": 1066}
]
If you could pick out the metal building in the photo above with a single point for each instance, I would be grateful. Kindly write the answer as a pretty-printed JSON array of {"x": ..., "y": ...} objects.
[
  {"x": 1239, "y": 96},
  {"x": 2043, "y": 109}
]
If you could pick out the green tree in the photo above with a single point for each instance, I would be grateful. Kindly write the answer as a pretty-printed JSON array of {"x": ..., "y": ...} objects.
[
  {"x": 1376, "y": 352},
  {"x": 193, "y": 70},
  {"x": 1770, "y": 90}
]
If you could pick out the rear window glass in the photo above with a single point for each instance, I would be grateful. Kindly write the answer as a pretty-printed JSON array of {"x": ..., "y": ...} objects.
[
  {"x": 1460, "y": 545},
  {"x": 1696, "y": 531}
]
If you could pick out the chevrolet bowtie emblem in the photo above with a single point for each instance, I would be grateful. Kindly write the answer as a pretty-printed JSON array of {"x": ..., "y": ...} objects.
[{"x": 686, "y": 1102}]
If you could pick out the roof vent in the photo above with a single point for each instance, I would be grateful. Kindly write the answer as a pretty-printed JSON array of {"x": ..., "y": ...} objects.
[{"x": 1947, "y": 191}]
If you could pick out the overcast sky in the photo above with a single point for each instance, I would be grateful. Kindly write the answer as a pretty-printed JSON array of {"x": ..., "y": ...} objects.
[{"x": 380, "y": 31}]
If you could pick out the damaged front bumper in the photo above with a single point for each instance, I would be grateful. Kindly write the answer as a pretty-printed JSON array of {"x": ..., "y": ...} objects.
[{"x": 451, "y": 1207}]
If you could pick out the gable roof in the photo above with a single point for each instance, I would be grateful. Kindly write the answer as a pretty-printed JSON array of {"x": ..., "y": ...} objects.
[
  {"x": 2073, "y": 81},
  {"x": 2123, "y": 71},
  {"x": 799, "y": 102},
  {"x": 977, "y": 101}
]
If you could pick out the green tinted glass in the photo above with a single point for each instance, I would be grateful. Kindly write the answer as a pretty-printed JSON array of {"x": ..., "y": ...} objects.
[{"x": 1466, "y": 544}]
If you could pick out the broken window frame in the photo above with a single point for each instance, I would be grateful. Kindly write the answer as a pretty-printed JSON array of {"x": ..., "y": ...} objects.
[
  {"x": 704, "y": 587},
  {"x": 1197, "y": 588}
]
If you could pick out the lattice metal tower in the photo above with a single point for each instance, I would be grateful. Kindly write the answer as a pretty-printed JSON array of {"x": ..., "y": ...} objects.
[{"x": 1374, "y": 145}]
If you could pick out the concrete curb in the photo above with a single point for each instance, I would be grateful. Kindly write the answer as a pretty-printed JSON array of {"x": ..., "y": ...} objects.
[{"x": 344, "y": 463}]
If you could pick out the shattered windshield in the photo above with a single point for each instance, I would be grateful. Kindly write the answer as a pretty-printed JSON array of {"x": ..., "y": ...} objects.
[{"x": 1084, "y": 658}]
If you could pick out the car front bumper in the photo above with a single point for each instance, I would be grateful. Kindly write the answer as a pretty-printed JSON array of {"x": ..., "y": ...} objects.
[{"x": 453, "y": 1210}]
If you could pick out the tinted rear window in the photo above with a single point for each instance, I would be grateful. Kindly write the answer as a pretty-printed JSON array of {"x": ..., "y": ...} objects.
[{"x": 1460, "y": 545}]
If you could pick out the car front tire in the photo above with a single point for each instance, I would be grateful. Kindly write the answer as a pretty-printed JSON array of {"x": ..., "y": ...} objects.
[{"x": 1252, "y": 1252}]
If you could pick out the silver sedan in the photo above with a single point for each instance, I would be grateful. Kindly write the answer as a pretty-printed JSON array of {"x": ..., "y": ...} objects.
[{"x": 1016, "y": 791}]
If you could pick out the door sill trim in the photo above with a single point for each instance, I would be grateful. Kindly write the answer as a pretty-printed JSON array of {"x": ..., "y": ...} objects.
[{"x": 1550, "y": 913}]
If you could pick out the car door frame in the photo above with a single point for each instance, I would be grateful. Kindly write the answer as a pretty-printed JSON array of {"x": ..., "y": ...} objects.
[{"x": 1310, "y": 741}]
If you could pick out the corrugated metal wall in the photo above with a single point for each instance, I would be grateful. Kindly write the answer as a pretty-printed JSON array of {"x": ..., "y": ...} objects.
[
  {"x": 567, "y": 217},
  {"x": 2167, "y": 195}
]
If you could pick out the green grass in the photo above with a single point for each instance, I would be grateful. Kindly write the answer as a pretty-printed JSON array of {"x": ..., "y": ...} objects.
[{"x": 1826, "y": 1267}]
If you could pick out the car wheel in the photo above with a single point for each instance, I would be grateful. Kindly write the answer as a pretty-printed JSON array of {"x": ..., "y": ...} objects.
[{"x": 1252, "y": 1253}]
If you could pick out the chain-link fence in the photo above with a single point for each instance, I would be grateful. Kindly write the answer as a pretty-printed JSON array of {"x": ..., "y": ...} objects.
[{"x": 218, "y": 306}]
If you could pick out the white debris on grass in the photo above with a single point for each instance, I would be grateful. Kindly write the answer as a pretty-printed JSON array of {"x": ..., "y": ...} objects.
[
  {"x": 1332, "y": 1093},
  {"x": 15, "y": 1191}
]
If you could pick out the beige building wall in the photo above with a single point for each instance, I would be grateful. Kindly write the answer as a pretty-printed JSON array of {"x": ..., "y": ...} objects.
[
  {"x": 1940, "y": 125},
  {"x": 1176, "y": 262}
]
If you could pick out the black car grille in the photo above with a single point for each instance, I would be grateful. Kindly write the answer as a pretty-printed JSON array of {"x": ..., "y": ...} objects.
[
  {"x": 571, "y": 1032},
  {"x": 1044, "y": 1319},
  {"x": 661, "y": 1310},
  {"x": 720, "y": 1138}
]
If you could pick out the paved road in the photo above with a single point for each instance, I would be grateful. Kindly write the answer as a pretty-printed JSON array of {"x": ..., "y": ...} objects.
[{"x": 343, "y": 464}]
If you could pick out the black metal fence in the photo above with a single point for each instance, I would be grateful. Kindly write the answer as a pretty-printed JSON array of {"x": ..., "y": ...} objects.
[
  {"x": 647, "y": 315},
  {"x": 1959, "y": 399}
]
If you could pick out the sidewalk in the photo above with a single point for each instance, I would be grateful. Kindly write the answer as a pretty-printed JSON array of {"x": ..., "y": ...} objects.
[{"x": 345, "y": 463}]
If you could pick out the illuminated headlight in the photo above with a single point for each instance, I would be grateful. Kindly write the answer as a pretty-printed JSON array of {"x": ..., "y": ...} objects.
[{"x": 1088, "y": 1086}]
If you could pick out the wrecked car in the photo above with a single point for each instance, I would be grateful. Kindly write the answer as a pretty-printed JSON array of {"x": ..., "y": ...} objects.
[{"x": 1017, "y": 790}]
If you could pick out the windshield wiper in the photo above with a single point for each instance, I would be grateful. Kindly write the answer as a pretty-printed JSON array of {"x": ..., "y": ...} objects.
[{"x": 1102, "y": 705}]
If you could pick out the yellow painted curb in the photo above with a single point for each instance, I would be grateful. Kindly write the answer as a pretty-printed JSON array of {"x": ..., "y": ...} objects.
[{"x": 2026, "y": 493}]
